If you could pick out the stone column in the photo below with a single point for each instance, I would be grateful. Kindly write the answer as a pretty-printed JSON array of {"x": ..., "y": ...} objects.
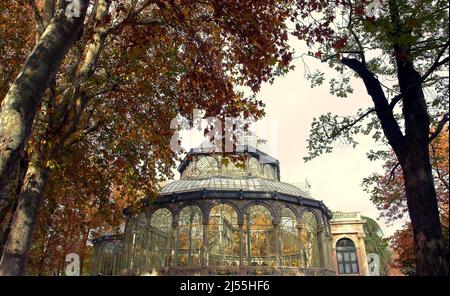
[
  {"x": 329, "y": 248},
  {"x": 362, "y": 256}
]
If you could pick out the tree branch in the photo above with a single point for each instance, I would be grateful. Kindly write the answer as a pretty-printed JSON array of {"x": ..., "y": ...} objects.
[
  {"x": 395, "y": 100},
  {"x": 439, "y": 127},
  {"x": 37, "y": 17},
  {"x": 389, "y": 125},
  {"x": 392, "y": 173},
  {"x": 436, "y": 63},
  {"x": 350, "y": 125}
]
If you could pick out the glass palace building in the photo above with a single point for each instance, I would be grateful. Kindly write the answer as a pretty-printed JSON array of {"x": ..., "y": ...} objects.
[{"x": 222, "y": 218}]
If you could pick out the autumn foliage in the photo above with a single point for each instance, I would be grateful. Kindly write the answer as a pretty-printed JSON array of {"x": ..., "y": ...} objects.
[{"x": 102, "y": 132}]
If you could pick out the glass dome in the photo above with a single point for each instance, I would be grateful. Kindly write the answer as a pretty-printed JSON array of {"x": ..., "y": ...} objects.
[{"x": 224, "y": 218}]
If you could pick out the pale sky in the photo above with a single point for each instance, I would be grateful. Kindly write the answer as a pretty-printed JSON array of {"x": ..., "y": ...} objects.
[{"x": 336, "y": 177}]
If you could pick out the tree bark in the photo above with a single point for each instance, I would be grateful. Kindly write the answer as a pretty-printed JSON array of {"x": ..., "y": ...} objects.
[
  {"x": 6, "y": 221},
  {"x": 419, "y": 182},
  {"x": 19, "y": 107},
  {"x": 423, "y": 211},
  {"x": 14, "y": 257},
  {"x": 415, "y": 160}
]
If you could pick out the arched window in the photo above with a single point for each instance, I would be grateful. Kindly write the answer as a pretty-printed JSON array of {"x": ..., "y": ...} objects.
[
  {"x": 259, "y": 237},
  {"x": 254, "y": 167},
  {"x": 346, "y": 257},
  {"x": 223, "y": 236},
  {"x": 310, "y": 240},
  {"x": 160, "y": 232},
  {"x": 207, "y": 166},
  {"x": 289, "y": 239},
  {"x": 269, "y": 172},
  {"x": 136, "y": 244},
  {"x": 189, "y": 236}
]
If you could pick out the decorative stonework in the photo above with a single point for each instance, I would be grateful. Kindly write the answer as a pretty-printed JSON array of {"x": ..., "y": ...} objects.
[{"x": 349, "y": 226}]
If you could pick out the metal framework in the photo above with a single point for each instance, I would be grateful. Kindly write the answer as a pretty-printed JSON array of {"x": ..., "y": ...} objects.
[{"x": 222, "y": 219}]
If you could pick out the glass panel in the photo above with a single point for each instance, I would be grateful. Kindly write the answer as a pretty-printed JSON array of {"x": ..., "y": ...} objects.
[
  {"x": 137, "y": 244},
  {"x": 254, "y": 167},
  {"x": 346, "y": 254},
  {"x": 269, "y": 172},
  {"x": 189, "y": 236},
  {"x": 223, "y": 237},
  {"x": 259, "y": 237},
  {"x": 310, "y": 240},
  {"x": 289, "y": 238},
  {"x": 160, "y": 233}
]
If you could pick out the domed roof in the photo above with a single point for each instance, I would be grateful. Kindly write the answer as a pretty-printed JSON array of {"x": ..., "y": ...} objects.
[{"x": 224, "y": 183}]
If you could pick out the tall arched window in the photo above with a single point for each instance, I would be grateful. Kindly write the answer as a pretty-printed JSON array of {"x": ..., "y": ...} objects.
[
  {"x": 259, "y": 237},
  {"x": 310, "y": 240},
  {"x": 136, "y": 244},
  {"x": 160, "y": 233},
  {"x": 223, "y": 236},
  {"x": 346, "y": 257},
  {"x": 289, "y": 239},
  {"x": 189, "y": 236}
]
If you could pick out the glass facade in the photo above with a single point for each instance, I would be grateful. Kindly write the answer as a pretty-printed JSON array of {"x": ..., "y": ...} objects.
[
  {"x": 310, "y": 240},
  {"x": 289, "y": 239},
  {"x": 189, "y": 237},
  {"x": 223, "y": 236},
  {"x": 259, "y": 237},
  {"x": 223, "y": 219}
]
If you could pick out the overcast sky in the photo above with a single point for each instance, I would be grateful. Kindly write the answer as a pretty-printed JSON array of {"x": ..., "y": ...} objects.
[{"x": 291, "y": 105}]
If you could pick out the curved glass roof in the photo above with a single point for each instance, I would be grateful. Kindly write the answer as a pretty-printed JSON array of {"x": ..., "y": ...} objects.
[
  {"x": 233, "y": 184},
  {"x": 203, "y": 166}
]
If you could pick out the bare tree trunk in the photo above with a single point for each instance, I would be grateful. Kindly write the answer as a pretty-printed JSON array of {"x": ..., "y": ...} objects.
[
  {"x": 19, "y": 107},
  {"x": 15, "y": 255}
]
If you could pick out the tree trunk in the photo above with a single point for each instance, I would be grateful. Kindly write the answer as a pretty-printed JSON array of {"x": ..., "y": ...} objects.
[
  {"x": 10, "y": 209},
  {"x": 414, "y": 158},
  {"x": 423, "y": 210},
  {"x": 419, "y": 182},
  {"x": 14, "y": 257},
  {"x": 19, "y": 107}
]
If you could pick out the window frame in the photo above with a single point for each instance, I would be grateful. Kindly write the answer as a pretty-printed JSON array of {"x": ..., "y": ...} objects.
[{"x": 341, "y": 251}]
